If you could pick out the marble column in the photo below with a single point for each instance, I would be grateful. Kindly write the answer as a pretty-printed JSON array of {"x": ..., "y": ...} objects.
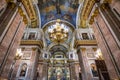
[
  {"x": 113, "y": 24},
  {"x": 111, "y": 20},
  {"x": 107, "y": 35},
  {"x": 45, "y": 71},
  {"x": 15, "y": 33},
  {"x": 39, "y": 71},
  {"x": 77, "y": 70},
  {"x": 3, "y": 5},
  {"x": 103, "y": 45},
  {"x": 6, "y": 18},
  {"x": 85, "y": 68},
  {"x": 72, "y": 71}
]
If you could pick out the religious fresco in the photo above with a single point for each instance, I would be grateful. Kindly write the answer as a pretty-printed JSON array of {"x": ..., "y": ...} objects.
[
  {"x": 58, "y": 73},
  {"x": 58, "y": 9}
]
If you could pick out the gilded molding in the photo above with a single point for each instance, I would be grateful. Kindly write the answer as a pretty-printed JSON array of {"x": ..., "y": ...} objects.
[
  {"x": 9, "y": 1},
  {"x": 23, "y": 48},
  {"x": 13, "y": 4},
  {"x": 34, "y": 48},
  {"x": 95, "y": 49},
  {"x": 107, "y": 1},
  {"x": 32, "y": 42},
  {"x": 105, "y": 5},
  {"x": 94, "y": 14},
  {"x": 88, "y": 5},
  {"x": 85, "y": 43},
  {"x": 25, "y": 19},
  {"x": 21, "y": 12},
  {"x": 31, "y": 12},
  {"x": 83, "y": 49}
]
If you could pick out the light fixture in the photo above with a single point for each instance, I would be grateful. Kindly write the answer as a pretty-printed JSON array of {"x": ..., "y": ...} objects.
[
  {"x": 99, "y": 54},
  {"x": 18, "y": 54},
  {"x": 58, "y": 32}
]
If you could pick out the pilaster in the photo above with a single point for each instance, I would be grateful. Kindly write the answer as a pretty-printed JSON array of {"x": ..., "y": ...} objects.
[
  {"x": 73, "y": 75},
  {"x": 105, "y": 39},
  {"x": 12, "y": 30},
  {"x": 85, "y": 68},
  {"x": 45, "y": 71},
  {"x": 106, "y": 28}
]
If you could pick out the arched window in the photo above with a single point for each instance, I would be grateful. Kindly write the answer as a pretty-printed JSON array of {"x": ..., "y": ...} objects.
[{"x": 23, "y": 70}]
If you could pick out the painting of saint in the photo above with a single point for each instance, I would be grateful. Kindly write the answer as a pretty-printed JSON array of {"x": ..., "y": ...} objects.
[
  {"x": 94, "y": 70},
  {"x": 23, "y": 70}
]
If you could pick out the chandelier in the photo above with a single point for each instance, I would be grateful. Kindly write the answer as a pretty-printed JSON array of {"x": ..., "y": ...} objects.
[{"x": 58, "y": 32}]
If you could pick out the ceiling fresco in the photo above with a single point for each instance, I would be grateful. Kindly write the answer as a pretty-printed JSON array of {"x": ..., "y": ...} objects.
[{"x": 58, "y": 9}]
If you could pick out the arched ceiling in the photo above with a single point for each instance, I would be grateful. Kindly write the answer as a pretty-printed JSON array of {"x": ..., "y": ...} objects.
[
  {"x": 58, "y": 48},
  {"x": 58, "y": 9}
]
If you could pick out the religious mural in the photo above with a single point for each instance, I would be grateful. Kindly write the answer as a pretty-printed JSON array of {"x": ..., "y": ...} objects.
[
  {"x": 58, "y": 9},
  {"x": 58, "y": 73}
]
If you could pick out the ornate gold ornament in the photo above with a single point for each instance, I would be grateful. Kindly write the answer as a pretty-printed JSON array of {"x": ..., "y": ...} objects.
[
  {"x": 85, "y": 42},
  {"x": 21, "y": 12},
  {"x": 28, "y": 5},
  {"x": 83, "y": 49},
  {"x": 58, "y": 33},
  {"x": 88, "y": 5},
  {"x": 94, "y": 14}
]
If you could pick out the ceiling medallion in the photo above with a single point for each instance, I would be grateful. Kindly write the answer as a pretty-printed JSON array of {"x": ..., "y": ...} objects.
[{"x": 58, "y": 32}]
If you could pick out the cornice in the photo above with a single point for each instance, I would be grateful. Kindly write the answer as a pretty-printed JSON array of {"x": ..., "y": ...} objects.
[
  {"x": 32, "y": 42},
  {"x": 85, "y": 43}
]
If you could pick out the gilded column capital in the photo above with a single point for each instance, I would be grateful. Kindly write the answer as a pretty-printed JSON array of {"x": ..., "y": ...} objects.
[
  {"x": 105, "y": 4},
  {"x": 22, "y": 13},
  {"x": 94, "y": 14},
  {"x": 34, "y": 48},
  {"x": 12, "y": 3},
  {"x": 23, "y": 48},
  {"x": 83, "y": 49},
  {"x": 95, "y": 49},
  {"x": 25, "y": 19}
]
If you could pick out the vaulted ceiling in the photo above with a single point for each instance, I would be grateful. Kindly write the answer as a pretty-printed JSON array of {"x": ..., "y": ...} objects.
[
  {"x": 58, "y": 9},
  {"x": 68, "y": 12}
]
